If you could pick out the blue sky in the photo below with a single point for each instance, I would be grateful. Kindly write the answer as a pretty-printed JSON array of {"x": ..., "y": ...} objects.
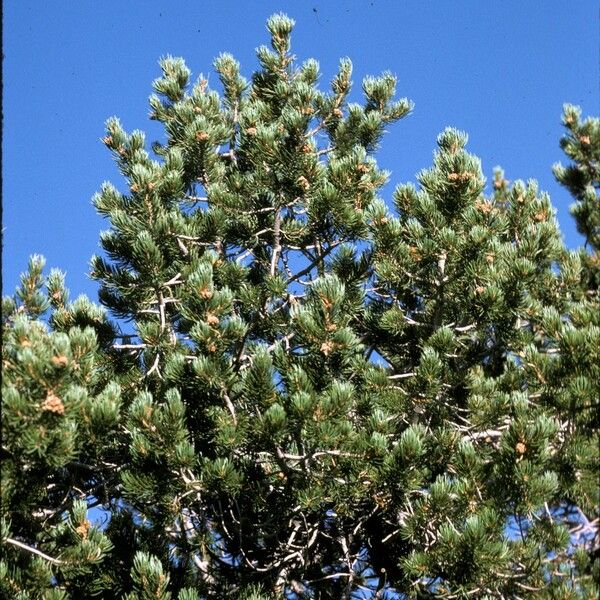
[{"x": 499, "y": 70}]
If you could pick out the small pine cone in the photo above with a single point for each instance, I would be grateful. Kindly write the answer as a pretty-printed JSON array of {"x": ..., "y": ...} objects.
[
  {"x": 212, "y": 319},
  {"x": 60, "y": 361},
  {"x": 462, "y": 177},
  {"x": 483, "y": 206},
  {"x": 83, "y": 528},
  {"x": 303, "y": 182},
  {"x": 327, "y": 303},
  {"x": 414, "y": 253},
  {"x": 53, "y": 404},
  {"x": 327, "y": 347}
]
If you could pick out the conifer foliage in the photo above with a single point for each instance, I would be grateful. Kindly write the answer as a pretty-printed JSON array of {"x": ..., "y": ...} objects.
[{"x": 310, "y": 393}]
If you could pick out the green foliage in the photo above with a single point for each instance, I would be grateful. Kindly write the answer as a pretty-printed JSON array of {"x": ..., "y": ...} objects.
[{"x": 315, "y": 394}]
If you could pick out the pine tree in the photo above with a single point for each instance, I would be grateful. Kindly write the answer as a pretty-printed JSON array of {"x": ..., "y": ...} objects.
[
  {"x": 582, "y": 179},
  {"x": 315, "y": 395},
  {"x": 60, "y": 411}
]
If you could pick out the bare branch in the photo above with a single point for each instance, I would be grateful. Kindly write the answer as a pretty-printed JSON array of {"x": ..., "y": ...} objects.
[
  {"x": 276, "y": 243},
  {"x": 316, "y": 263},
  {"x": 54, "y": 561},
  {"x": 326, "y": 151},
  {"x": 195, "y": 198},
  {"x": 129, "y": 346},
  {"x": 154, "y": 367},
  {"x": 230, "y": 407},
  {"x": 401, "y": 375},
  {"x": 174, "y": 280}
]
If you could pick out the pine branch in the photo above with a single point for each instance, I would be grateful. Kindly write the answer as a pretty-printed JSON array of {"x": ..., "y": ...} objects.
[
  {"x": 230, "y": 406},
  {"x": 401, "y": 375},
  {"x": 54, "y": 561},
  {"x": 316, "y": 263},
  {"x": 276, "y": 243}
]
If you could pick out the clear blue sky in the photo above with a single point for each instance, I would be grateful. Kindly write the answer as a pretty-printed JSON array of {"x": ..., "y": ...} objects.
[{"x": 499, "y": 70}]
